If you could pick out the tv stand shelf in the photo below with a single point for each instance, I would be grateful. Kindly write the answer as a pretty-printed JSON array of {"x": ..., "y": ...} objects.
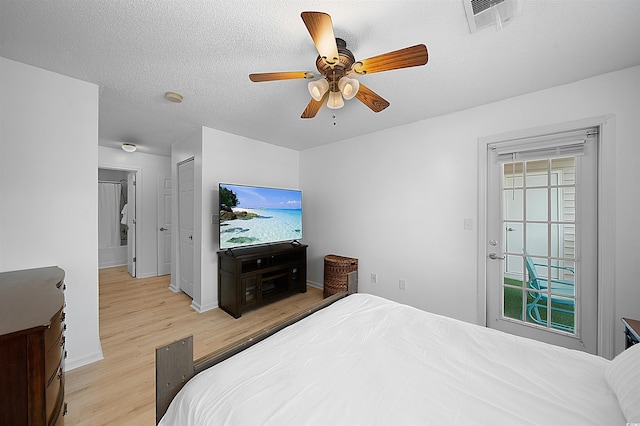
[{"x": 252, "y": 277}]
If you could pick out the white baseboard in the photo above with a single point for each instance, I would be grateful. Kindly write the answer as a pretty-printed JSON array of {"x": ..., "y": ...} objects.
[
  {"x": 203, "y": 308},
  {"x": 146, "y": 275},
  {"x": 105, "y": 265},
  {"x": 72, "y": 363},
  {"x": 315, "y": 284}
]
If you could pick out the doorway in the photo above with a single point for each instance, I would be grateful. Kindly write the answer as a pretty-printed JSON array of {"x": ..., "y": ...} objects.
[
  {"x": 186, "y": 251},
  {"x": 117, "y": 218},
  {"x": 606, "y": 324},
  {"x": 542, "y": 230},
  {"x": 164, "y": 224}
]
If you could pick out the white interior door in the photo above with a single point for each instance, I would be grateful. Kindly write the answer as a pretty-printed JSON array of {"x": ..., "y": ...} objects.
[
  {"x": 186, "y": 222},
  {"x": 164, "y": 225},
  {"x": 542, "y": 238},
  {"x": 131, "y": 223}
]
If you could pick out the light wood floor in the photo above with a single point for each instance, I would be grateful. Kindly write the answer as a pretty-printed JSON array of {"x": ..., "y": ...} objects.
[{"x": 136, "y": 316}]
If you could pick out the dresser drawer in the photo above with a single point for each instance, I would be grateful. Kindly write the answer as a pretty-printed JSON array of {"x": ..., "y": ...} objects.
[
  {"x": 51, "y": 334},
  {"x": 55, "y": 394},
  {"x": 53, "y": 359}
]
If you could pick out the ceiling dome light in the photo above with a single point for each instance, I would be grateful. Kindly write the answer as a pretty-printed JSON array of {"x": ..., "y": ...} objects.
[
  {"x": 129, "y": 147},
  {"x": 318, "y": 88},
  {"x": 173, "y": 97},
  {"x": 349, "y": 87}
]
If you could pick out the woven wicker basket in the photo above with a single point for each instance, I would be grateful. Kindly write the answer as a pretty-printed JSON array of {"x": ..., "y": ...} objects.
[{"x": 336, "y": 269}]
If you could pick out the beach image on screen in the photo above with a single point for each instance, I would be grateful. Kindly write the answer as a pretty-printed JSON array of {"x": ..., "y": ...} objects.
[{"x": 253, "y": 215}]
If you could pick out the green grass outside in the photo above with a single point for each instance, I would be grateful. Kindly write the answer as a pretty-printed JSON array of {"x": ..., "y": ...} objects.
[{"x": 513, "y": 305}]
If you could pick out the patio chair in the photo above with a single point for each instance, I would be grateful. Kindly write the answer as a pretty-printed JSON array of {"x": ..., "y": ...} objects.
[{"x": 559, "y": 288}]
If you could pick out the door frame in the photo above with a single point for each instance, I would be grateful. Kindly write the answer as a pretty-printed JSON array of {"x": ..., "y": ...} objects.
[{"x": 606, "y": 225}]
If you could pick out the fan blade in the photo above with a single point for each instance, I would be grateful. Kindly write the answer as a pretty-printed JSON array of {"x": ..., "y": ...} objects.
[
  {"x": 321, "y": 30},
  {"x": 404, "y": 58},
  {"x": 371, "y": 99},
  {"x": 272, "y": 76},
  {"x": 313, "y": 107}
]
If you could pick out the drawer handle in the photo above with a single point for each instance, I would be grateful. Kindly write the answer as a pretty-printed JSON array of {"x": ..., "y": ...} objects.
[
  {"x": 62, "y": 317},
  {"x": 62, "y": 342}
]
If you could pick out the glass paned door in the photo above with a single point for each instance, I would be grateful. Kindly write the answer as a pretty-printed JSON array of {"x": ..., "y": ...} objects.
[
  {"x": 542, "y": 243},
  {"x": 539, "y": 234}
]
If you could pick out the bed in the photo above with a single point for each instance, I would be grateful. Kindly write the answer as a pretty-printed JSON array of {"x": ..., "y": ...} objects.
[{"x": 365, "y": 360}]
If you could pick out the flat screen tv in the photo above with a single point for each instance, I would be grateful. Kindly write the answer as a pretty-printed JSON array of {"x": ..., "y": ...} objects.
[{"x": 253, "y": 215}]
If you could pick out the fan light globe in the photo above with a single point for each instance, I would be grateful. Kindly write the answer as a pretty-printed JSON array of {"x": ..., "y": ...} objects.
[
  {"x": 349, "y": 87},
  {"x": 335, "y": 100},
  {"x": 318, "y": 88}
]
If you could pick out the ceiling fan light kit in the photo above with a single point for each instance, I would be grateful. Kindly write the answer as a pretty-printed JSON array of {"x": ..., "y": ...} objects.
[
  {"x": 335, "y": 100},
  {"x": 318, "y": 88},
  {"x": 348, "y": 87},
  {"x": 336, "y": 63}
]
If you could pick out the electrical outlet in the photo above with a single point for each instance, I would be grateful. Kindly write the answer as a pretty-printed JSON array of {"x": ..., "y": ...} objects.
[
  {"x": 402, "y": 284},
  {"x": 374, "y": 278}
]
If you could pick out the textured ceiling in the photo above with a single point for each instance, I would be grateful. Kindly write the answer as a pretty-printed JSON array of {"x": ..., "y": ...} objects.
[{"x": 136, "y": 50}]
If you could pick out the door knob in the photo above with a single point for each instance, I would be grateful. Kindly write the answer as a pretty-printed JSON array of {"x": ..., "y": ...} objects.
[
  {"x": 191, "y": 237},
  {"x": 494, "y": 256},
  {"x": 163, "y": 229}
]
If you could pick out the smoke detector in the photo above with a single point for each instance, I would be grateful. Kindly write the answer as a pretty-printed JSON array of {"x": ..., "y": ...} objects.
[{"x": 487, "y": 13}]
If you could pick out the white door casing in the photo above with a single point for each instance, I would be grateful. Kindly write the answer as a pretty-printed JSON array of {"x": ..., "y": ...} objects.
[{"x": 186, "y": 191}]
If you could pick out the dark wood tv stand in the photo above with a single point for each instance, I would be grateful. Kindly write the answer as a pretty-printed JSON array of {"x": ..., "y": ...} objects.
[{"x": 252, "y": 277}]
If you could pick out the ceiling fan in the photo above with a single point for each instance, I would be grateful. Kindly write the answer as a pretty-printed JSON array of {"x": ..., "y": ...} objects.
[{"x": 337, "y": 67}]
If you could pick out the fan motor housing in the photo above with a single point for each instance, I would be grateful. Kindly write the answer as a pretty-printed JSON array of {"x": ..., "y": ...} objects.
[{"x": 334, "y": 73}]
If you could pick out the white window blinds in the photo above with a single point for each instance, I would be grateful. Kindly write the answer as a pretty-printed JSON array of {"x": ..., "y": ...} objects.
[{"x": 540, "y": 147}]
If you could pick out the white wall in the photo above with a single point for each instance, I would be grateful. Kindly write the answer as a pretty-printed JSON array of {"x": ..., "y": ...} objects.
[
  {"x": 49, "y": 127},
  {"x": 148, "y": 168},
  {"x": 223, "y": 157},
  {"x": 48, "y": 190},
  {"x": 397, "y": 199}
]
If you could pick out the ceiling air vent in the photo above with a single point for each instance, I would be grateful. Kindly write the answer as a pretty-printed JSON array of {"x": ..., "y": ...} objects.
[{"x": 486, "y": 13}]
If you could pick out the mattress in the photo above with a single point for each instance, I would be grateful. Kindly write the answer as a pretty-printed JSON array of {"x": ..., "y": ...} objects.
[{"x": 365, "y": 360}]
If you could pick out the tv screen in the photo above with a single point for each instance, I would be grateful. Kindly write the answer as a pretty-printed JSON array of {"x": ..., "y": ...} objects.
[{"x": 252, "y": 215}]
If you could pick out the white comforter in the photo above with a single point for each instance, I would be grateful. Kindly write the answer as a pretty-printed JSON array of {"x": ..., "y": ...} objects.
[{"x": 367, "y": 361}]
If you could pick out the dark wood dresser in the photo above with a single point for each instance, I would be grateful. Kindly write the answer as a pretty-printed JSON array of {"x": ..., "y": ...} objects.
[{"x": 32, "y": 345}]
